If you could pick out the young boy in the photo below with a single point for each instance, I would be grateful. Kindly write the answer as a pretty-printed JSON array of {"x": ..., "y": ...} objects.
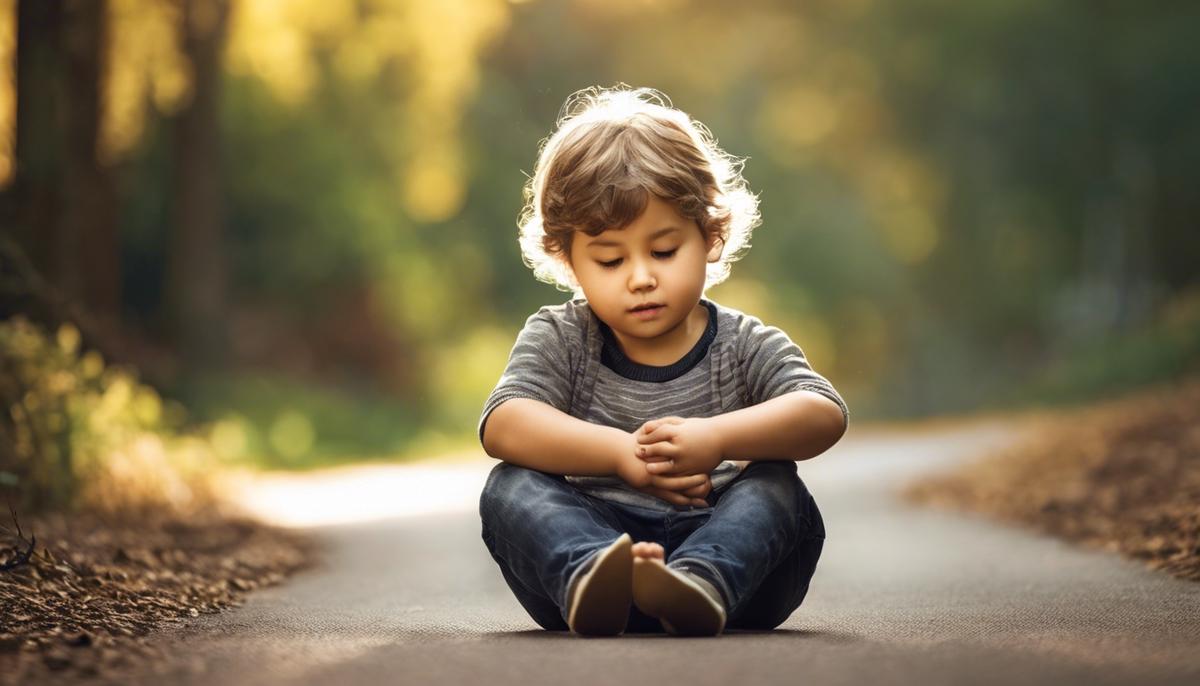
[{"x": 642, "y": 411}]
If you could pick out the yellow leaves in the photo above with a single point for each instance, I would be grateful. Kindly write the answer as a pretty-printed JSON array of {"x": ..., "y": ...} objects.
[
  {"x": 465, "y": 370},
  {"x": 446, "y": 39},
  {"x": 103, "y": 417},
  {"x": 144, "y": 61},
  {"x": 147, "y": 406},
  {"x": 910, "y": 233},
  {"x": 435, "y": 47},
  {"x": 417, "y": 302},
  {"x": 91, "y": 365},
  {"x": 434, "y": 183},
  {"x": 292, "y": 434},
  {"x": 68, "y": 338},
  {"x": 144, "y": 470},
  {"x": 903, "y": 194},
  {"x": 815, "y": 338},
  {"x": 92, "y": 434},
  {"x": 8, "y": 93},
  {"x": 229, "y": 437},
  {"x": 793, "y": 118},
  {"x": 271, "y": 39},
  {"x": 743, "y": 293},
  {"x": 469, "y": 368},
  {"x": 630, "y": 9}
]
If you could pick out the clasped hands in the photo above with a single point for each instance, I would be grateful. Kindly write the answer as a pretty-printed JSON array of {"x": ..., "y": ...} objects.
[{"x": 671, "y": 458}]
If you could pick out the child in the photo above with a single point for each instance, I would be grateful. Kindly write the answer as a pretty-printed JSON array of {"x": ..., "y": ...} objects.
[{"x": 640, "y": 410}]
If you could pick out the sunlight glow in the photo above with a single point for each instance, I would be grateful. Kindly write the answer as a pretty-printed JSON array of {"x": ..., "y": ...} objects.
[
  {"x": 363, "y": 493},
  {"x": 798, "y": 116},
  {"x": 8, "y": 94},
  {"x": 144, "y": 64}
]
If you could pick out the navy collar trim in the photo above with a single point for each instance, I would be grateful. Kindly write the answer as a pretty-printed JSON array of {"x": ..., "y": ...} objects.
[{"x": 612, "y": 357}]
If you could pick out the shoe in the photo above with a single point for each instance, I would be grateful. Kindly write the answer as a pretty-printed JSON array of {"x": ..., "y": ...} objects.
[
  {"x": 676, "y": 599},
  {"x": 601, "y": 598}
]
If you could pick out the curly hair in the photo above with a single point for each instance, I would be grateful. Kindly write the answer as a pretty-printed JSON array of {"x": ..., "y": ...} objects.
[{"x": 611, "y": 149}]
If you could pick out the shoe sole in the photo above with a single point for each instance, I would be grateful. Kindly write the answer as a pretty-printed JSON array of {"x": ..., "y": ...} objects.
[
  {"x": 682, "y": 607},
  {"x": 604, "y": 594}
]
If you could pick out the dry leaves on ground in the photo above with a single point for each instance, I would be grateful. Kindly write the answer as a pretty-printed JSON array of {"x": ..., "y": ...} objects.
[
  {"x": 1124, "y": 476},
  {"x": 87, "y": 600}
]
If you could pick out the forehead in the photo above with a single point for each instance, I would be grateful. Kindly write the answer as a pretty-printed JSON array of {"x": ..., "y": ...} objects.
[
  {"x": 611, "y": 238},
  {"x": 659, "y": 218}
]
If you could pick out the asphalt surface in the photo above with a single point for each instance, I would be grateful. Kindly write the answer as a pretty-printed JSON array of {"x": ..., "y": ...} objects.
[{"x": 407, "y": 593}]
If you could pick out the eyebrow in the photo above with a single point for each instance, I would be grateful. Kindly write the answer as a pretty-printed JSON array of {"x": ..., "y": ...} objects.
[{"x": 615, "y": 244}]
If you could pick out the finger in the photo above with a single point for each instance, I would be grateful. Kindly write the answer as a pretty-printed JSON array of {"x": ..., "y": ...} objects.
[
  {"x": 662, "y": 432},
  {"x": 668, "y": 468},
  {"x": 678, "y": 483},
  {"x": 653, "y": 424},
  {"x": 658, "y": 450},
  {"x": 669, "y": 496},
  {"x": 700, "y": 491}
]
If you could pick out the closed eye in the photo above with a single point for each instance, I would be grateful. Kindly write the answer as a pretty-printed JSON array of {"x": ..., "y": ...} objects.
[{"x": 660, "y": 254}]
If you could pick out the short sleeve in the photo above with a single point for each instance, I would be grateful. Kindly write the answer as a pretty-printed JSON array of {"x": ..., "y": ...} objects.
[
  {"x": 539, "y": 365},
  {"x": 773, "y": 365}
]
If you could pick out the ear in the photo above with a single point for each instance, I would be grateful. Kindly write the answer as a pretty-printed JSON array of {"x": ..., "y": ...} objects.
[{"x": 716, "y": 247}]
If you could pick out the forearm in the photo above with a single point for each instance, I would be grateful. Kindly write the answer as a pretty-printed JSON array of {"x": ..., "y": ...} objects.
[
  {"x": 793, "y": 426},
  {"x": 533, "y": 434}
]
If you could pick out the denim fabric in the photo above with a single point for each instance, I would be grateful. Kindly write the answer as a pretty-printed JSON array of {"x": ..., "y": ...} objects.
[{"x": 757, "y": 542}]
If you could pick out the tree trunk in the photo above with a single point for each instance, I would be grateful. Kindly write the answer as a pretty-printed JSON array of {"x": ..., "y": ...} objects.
[
  {"x": 38, "y": 150},
  {"x": 197, "y": 270},
  {"x": 62, "y": 202},
  {"x": 88, "y": 203}
]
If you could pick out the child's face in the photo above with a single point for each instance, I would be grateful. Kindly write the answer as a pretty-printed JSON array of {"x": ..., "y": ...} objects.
[{"x": 659, "y": 258}]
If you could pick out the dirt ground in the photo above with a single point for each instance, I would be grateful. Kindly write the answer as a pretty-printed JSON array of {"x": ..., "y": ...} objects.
[
  {"x": 1123, "y": 476},
  {"x": 85, "y": 601}
]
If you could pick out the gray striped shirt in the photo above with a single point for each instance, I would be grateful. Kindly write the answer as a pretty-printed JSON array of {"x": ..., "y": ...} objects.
[{"x": 567, "y": 358}]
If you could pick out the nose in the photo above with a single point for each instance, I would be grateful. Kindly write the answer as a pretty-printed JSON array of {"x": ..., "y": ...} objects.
[{"x": 642, "y": 275}]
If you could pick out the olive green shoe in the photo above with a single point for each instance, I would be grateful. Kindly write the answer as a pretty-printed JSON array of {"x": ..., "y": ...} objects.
[
  {"x": 677, "y": 599},
  {"x": 601, "y": 597}
]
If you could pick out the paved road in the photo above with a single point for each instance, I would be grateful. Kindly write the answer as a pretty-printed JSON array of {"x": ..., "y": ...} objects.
[{"x": 408, "y": 594}]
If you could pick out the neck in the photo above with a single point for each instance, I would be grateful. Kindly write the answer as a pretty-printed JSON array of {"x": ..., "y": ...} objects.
[{"x": 670, "y": 346}]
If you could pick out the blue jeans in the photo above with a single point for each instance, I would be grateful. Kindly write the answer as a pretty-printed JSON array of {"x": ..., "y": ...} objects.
[{"x": 757, "y": 542}]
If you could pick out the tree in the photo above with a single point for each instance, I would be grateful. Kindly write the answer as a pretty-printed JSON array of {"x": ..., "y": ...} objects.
[
  {"x": 62, "y": 202},
  {"x": 196, "y": 276}
]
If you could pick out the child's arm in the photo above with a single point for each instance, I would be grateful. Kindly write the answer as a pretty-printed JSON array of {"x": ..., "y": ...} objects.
[
  {"x": 794, "y": 426},
  {"x": 532, "y": 434}
]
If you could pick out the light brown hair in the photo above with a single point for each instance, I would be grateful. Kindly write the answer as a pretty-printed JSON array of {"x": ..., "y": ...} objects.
[{"x": 612, "y": 148}]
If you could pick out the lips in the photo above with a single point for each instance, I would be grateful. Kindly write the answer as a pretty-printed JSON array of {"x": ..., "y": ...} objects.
[{"x": 646, "y": 306}]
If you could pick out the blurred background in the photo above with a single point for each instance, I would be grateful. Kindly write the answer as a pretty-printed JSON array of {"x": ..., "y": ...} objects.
[{"x": 282, "y": 233}]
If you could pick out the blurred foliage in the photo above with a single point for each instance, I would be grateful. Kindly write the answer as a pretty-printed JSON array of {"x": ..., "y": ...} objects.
[
  {"x": 1112, "y": 365},
  {"x": 278, "y": 422},
  {"x": 966, "y": 205},
  {"x": 76, "y": 432}
]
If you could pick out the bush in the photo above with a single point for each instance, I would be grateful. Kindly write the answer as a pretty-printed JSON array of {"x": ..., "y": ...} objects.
[{"x": 78, "y": 433}]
